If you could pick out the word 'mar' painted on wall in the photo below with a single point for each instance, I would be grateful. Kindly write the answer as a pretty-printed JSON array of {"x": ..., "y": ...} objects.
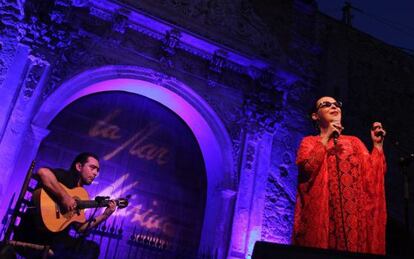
[{"x": 137, "y": 144}]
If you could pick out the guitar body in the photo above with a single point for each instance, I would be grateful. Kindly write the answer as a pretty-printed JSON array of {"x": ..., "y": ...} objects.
[{"x": 56, "y": 220}]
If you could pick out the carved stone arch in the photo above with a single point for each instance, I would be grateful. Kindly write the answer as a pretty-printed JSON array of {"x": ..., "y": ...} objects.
[{"x": 214, "y": 141}]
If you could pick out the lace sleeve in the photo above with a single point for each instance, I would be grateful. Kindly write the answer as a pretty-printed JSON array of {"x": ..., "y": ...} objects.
[{"x": 310, "y": 157}]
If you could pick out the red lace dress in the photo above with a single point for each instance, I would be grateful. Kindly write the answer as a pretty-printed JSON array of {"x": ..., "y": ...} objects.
[{"x": 340, "y": 209}]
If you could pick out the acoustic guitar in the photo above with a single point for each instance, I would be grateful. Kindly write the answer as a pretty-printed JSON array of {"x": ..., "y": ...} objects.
[{"x": 56, "y": 219}]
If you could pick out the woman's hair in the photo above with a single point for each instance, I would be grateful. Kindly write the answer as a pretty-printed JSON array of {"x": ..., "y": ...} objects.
[
  {"x": 311, "y": 110},
  {"x": 82, "y": 158}
]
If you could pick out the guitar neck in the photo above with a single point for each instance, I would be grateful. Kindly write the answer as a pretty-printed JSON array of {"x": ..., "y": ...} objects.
[{"x": 91, "y": 204}]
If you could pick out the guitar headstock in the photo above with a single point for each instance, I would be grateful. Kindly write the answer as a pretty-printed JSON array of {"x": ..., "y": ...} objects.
[{"x": 122, "y": 203}]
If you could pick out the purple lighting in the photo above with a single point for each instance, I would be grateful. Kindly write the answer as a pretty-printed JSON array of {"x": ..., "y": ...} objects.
[
  {"x": 173, "y": 101},
  {"x": 207, "y": 128},
  {"x": 228, "y": 90}
]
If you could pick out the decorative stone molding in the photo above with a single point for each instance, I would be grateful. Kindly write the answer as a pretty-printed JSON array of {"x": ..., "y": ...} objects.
[
  {"x": 120, "y": 23},
  {"x": 34, "y": 74},
  {"x": 263, "y": 107},
  {"x": 69, "y": 40},
  {"x": 278, "y": 211},
  {"x": 79, "y": 3},
  {"x": 194, "y": 44},
  {"x": 171, "y": 41},
  {"x": 3, "y": 67},
  {"x": 236, "y": 21},
  {"x": 169, "y": 45},
  {"x": 58, "y": 14},
  {"x": 218, "y": 61},
  {"x": 100, "y": 13},
  {"x": 12, "y": 12}
]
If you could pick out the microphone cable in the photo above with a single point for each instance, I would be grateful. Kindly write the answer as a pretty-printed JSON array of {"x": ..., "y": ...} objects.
[{"x": 340, "y": 193}]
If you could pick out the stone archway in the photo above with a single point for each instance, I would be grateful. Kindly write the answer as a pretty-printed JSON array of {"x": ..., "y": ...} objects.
[{"x": 209, "y": 131}]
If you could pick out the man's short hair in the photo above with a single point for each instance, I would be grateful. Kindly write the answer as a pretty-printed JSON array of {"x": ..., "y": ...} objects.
[{"x": 82, "y": 158}]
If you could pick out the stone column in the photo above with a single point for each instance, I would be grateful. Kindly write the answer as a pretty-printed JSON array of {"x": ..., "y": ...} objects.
[
  {"x": 11, "y": 85},
  {"x": 247, "y": 222},
  {"x": 262, "y": 114},
  {"x": 17, "y": 128},
  {"x": 228, "y": 198}
]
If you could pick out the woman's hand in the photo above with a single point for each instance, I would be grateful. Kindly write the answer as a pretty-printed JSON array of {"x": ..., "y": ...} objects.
[{"x": 377, "y": 134}]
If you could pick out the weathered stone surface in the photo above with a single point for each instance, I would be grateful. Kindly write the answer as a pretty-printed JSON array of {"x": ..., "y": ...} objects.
[{"x": 258, "y": 68}]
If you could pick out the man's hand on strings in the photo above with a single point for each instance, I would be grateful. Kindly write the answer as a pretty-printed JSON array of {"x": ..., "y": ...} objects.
[{"x": 110, "y": 209}]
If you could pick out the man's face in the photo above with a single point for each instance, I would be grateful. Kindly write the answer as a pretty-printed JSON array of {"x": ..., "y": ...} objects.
[{"x": 88, "y": 171}]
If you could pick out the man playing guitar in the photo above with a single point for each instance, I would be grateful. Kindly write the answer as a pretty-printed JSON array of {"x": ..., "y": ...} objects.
[{"x": 83, "y": 171}]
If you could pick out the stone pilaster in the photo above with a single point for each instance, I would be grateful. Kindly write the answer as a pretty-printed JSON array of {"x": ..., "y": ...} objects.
[
  {"x": 262, "y": 118},
  {"x": 17, "y": 125}
]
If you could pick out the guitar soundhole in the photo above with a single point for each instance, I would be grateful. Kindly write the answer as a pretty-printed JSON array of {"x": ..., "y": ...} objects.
[{"x": 57, "y": 210}]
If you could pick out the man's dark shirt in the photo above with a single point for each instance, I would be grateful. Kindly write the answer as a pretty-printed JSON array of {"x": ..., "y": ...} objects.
[{"x": 68, "y": 178}]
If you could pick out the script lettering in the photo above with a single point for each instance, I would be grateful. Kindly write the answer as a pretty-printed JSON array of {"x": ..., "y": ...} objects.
[
  {"x": 137, "y": 145},
  {"x": 104, "y": 128},
  {"x": 150, "y": 220}
]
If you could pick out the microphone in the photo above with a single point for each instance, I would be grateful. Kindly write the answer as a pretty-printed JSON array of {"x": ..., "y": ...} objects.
[
  {"x": 336, "y": 133},
  {"x": 379, "y": 134},
  {"x": 335, "y": 136}
]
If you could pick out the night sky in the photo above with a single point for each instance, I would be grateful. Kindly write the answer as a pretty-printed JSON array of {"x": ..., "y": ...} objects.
[{"x": 389, "y": 21}]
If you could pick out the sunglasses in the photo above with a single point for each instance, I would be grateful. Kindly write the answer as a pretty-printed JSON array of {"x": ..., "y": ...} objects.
[
  {"x": 329, "y": 104},
  {"x": 376, "y": 127}
]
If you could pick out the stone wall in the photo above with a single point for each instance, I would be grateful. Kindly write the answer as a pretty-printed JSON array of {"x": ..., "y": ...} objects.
[{"x": 258, "y": 68}]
